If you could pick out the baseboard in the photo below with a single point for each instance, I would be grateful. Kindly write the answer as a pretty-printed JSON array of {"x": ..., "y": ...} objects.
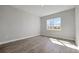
[
  {"x": 17, "y": 39},
  {"x": 58, "y": 38}
]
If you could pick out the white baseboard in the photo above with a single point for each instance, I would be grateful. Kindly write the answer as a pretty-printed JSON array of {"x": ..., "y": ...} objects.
[
  {"x": 61, "y": 37},
  {"x": 16, "y": 39}
]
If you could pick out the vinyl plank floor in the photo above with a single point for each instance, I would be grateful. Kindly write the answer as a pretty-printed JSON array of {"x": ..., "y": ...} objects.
[{"x": 38, "y": 44}]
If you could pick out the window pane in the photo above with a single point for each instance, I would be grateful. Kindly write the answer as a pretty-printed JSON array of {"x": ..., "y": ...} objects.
[
  {"x": 54, "y": 23},
  {"x": 57, "y": 21},
  {"x": 48, "y": 22}
]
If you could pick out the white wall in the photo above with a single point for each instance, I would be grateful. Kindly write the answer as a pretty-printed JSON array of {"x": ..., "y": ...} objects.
[
  {"x": 17, "y": 24},
  {"x": 68, "y": 25},
  {"x": 77, "y": 24}
]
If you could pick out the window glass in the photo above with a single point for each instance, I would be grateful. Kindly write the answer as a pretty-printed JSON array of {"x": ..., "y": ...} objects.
[{"x": 54, "y": 23}]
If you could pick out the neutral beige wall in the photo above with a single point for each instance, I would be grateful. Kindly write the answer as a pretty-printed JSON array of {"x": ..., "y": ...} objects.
[
  {"x": 16, "y": 24},
  {"x": 68, "y": 25}
]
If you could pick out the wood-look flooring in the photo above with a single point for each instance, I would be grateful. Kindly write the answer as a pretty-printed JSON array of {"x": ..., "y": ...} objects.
[{"x": 38, "y": 44}]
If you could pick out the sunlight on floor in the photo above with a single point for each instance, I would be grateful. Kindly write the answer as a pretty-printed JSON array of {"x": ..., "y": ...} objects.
[
  {"x": 63, "y": 43},
  {"x": 55, "y": 41}
]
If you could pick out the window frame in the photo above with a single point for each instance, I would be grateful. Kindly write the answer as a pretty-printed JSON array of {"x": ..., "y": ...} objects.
[{"x": 53, "y": 24}]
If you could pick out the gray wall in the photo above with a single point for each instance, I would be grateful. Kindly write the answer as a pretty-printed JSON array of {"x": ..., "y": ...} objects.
[
  {"x": 17, "y": 24},
  {"x": 77, "y": 24},
  {"x": 68, "y": 25}
]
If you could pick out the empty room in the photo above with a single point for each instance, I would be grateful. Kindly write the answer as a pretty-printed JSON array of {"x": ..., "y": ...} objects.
[{"x": 39, "y": 29}]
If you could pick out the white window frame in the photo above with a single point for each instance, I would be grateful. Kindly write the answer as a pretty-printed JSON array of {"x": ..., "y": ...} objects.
[{"x": 52, "y": 26}]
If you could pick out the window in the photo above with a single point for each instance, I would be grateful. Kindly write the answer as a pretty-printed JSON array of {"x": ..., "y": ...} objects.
[{"x": 54, "y": 24}]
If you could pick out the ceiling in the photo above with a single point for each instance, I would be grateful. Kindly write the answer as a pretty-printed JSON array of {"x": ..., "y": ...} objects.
[{"x": 43, "y": 10}]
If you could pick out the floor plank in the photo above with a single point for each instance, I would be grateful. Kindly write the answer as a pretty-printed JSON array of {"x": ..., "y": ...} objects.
[{"x": 38, "y": 44}]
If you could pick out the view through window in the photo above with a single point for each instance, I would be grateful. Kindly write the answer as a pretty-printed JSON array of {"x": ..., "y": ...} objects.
[{"x": 54, "y": 23}]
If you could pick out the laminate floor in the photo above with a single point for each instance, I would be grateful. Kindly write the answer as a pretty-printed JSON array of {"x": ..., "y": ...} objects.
[{"x": 39, "y": 44}]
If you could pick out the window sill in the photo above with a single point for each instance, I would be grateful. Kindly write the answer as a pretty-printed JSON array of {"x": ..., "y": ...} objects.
[{"x": 54, "y": 29}]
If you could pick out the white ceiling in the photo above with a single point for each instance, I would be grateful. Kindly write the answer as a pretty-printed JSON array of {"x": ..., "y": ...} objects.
[{"x": 43, "y": 10}]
